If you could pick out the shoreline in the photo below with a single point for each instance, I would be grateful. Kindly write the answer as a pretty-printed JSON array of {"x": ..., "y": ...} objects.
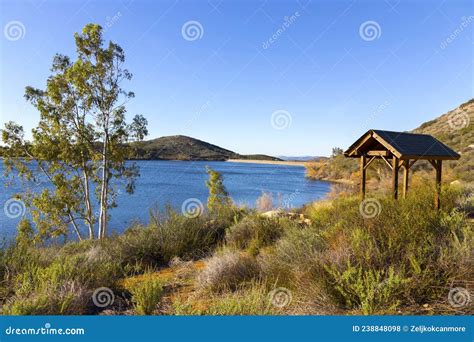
[{"x": 270, "y": 162}]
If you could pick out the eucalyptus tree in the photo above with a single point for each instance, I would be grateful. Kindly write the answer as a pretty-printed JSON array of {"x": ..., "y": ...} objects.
[{"x": 80, "y": 143}]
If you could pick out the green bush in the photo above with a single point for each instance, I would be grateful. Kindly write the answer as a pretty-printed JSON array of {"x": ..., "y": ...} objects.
[
  {"x": 146, "y": 296},
  {"x": 35, "y": 279},
  {"x": 254, "y": 232},
  {"x": 69, "y": 299},
  {"x": 409, "y": 253},
  {"x": 406, "y": 255},
  {"x": 169, "y": 235},
  {"x": 252, "y": 300},
  {"x": 56, "y": 282}
]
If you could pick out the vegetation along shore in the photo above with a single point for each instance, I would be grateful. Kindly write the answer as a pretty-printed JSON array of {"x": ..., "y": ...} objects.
[{"x": 343, "y": 255}]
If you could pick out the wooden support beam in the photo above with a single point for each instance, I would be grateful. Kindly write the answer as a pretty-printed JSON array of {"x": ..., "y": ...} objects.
[
  {"x": 412, "y": 163},
  {"x": 395, "y": 168},
  {"x": 370, "y": 161},
  {"x": 406, "y": 170},
  {"x": 434, "y": 163},
  {"x": 379, "y": 153},
  {"x": 439, "y": 167},
  {"x": 386, "y": 161},
  {"x": 363, "y": 176}
]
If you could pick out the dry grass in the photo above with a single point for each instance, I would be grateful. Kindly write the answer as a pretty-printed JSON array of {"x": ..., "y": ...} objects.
[{"x": 227, "y": 270}]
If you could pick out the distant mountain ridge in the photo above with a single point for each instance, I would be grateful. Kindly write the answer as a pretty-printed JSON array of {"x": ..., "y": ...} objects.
[
  {"x": 181, "y": 147},
  {"x": 302, "y": 158}
]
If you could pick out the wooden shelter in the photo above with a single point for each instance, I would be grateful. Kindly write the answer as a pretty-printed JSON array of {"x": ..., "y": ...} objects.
[{"x": 400, "y": 150}]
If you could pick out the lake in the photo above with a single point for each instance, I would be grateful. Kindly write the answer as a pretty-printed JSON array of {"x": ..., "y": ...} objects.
[{"x": 174, "y": 182}]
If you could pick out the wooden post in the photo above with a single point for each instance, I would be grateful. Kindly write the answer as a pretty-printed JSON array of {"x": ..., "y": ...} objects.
[
  {"x": 406, "y": 170},
  {"x": 439, "y": 166},
  {"x": 363, "y": 176},
  {"x": 395, "y": 177}
]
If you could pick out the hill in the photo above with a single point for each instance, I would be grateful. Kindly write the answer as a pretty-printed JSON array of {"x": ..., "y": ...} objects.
[
  {"x": 180, "y": 147},
  {"x": 454, "y": 128}
]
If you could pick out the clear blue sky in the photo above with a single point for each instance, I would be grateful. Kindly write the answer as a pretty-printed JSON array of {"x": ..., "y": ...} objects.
[{"x": 333, "y": 80}]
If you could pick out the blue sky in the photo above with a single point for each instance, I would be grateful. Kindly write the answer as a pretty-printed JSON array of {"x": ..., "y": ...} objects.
[{"x": 322, "y": 78}]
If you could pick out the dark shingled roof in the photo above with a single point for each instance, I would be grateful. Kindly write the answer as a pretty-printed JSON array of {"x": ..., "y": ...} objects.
[{"x": 406, "y": 144}]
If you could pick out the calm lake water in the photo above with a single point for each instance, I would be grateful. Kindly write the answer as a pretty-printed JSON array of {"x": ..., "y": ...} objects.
[{"x": 174, "y": 182}]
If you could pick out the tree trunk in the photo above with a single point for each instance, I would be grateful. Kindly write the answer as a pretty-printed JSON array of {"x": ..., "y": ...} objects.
[
  {"x": 89, "y": 214},
  {"x": 105, "y": 186},
  {"x": 76, "y": 228}
]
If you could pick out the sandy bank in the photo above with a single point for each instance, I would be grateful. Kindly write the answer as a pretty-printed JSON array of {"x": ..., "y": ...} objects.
[{"x": 273, "y": 162}]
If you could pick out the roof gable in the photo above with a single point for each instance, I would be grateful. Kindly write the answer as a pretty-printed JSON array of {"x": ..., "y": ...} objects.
[{"x": 402, "y": 145}]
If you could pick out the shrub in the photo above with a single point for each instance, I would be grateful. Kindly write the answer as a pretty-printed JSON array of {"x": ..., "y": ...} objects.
[
  {"x": 69, "y": 299},
  {"x": 367, "y": 288},
  {"x": 218, "y": 196},
  {"x": 264, "y": 202},
  {"x": 56, "y": 282},
  {"x": 227, "y": 271},
  {"x": 335, "y": 168},
  {"x": 252, "y": 300},
  {"x": 255, "y": 232},
  {"x": 170, "y": 235},
  {"x": 147, "y": 295},
  {"x": 297, "y": 252},
  {"x": 25, "y": 235},
  {"x": 408, "y": 254}
]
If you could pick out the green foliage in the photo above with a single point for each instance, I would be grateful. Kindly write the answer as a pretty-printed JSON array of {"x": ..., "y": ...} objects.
[
  {"x": 371, "y": 290},
  {"x": 455, "y": 129},
  {"x": 252, "y": 300},
  {"x": 49, "y": 303},
  {"x": 55, "y": 281},
  {"x": 336, "y": 151},
  {"x": 255, "y": 232},
  {"x": 138, "y": 128},
  {"x": 406, "y": 256},
  {"x": 168, "y": 235},
  {"x": 80, "y": 140},
  {"x": 337, "y": 167},
  {"x": 147, "y": 295},
  {"x": 218, "y": 195},
  {"x": 409, "y": 253},
  {"x": 25, "y": 235}
]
